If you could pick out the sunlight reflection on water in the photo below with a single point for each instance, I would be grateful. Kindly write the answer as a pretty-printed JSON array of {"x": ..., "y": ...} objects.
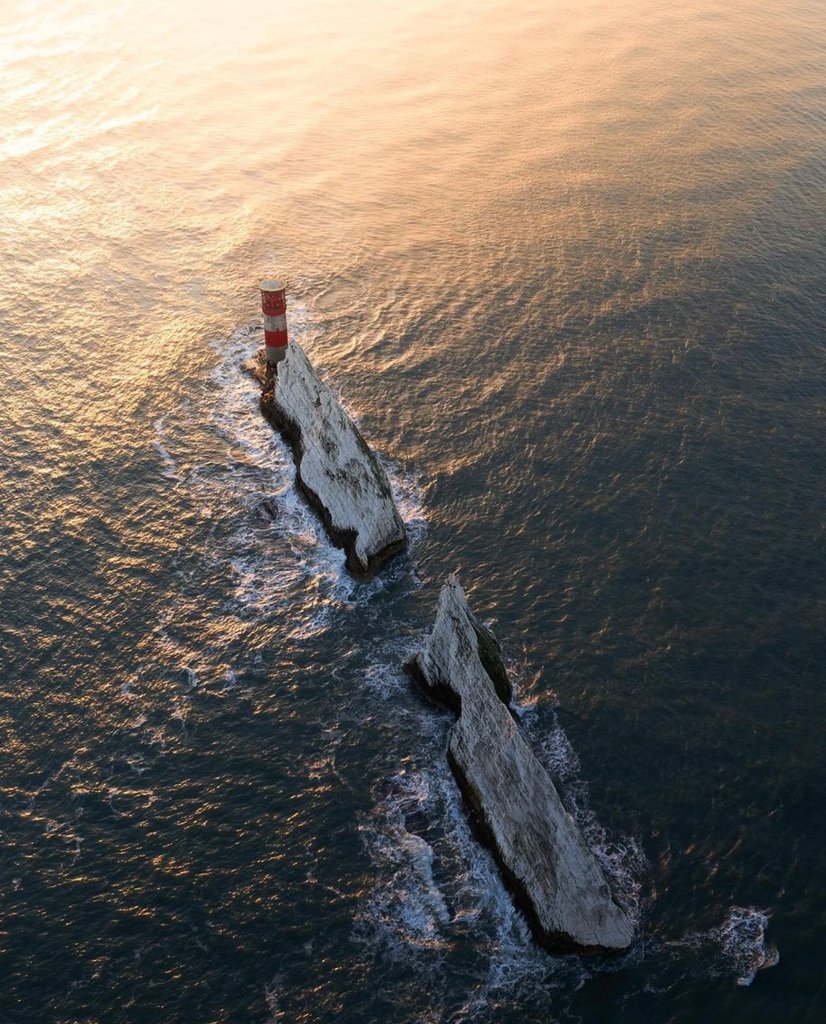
[{"x": 564, "y": 264}]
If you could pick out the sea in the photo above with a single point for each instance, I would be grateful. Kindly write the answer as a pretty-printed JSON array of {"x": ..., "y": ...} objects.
[{"x": 564, "y": 265}]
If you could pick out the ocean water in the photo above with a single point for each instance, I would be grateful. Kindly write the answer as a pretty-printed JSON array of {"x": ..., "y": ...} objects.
[{"x": 564, "y": 263}]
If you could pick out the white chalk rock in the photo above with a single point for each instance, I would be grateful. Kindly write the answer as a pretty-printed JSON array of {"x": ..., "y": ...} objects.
[
  {"x": 540, "y": 849},
  {"x": 335, "y": 468}
]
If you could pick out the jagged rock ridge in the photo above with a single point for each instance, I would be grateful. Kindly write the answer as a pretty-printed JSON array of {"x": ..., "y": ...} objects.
[
  {"x": 540, "y": 849},
  {"x": 335, "y": 469}
]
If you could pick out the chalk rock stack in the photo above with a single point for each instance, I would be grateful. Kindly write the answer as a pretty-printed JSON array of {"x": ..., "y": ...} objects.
[
  {"x": 335, "y": 469},
  {"x": 513, "y": 803},
  {"x": 539, "y": 847}
]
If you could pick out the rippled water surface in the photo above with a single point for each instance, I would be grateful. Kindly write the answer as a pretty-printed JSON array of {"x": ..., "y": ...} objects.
[{"x": 565, "y": 264}]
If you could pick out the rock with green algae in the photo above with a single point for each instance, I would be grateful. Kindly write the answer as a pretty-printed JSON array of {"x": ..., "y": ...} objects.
[{"x": 515, "y": 806}]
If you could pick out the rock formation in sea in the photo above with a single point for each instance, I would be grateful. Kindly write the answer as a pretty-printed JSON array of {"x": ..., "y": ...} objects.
[
  {"x": 513, "y": 802},
  {"x": 335, "y": 469}
]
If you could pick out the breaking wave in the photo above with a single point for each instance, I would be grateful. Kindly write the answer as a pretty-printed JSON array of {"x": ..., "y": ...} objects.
[
  {"x": 260, "y": 474},
  {"x": 263, "y": 547},
  {"x": 737, "y": 947},
  {"x": 271, "y": 543},
  {"x": 435, "y": 883},
  {"x": 621, "y": 857},
  {"x": 742, "y": 939}
]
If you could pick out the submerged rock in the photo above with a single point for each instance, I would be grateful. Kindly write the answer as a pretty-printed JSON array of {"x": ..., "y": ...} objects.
[
  {"x": 540, "y": 849},
  {"x": 335, "y": 469}
]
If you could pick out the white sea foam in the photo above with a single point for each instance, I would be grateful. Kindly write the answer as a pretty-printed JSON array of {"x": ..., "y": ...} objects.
[
  {"x": 262, "y": 539},
  {"x": 272, "y": 996},
  {"x": 419, "y": 839},
  {"x": 270, "y": 544},
  {"x": 170, "y": 465},
  {"x": 260, "y": 478},
  {"x": 621, "y": 857},
  {"x": 742, "y": 938},
  {"x": 415, "y": 912},
  {"x": 406, "y": 914},
  {"x": 385, "y": 675},
  {"x": 740, "y": 942}
]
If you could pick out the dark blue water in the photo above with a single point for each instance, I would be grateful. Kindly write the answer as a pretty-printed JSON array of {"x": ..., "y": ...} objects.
[{"x": 565, "y": 266}]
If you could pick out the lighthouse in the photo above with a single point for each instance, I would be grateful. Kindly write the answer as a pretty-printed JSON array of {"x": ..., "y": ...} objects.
[{"x": 274, "y": 308}]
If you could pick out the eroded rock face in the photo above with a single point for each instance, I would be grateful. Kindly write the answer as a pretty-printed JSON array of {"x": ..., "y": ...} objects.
[
  {"x": 335, "y": 469},
  {"x": 539, "y": 847}
]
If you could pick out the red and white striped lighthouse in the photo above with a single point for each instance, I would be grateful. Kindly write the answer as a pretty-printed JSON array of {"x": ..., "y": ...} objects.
[{"x": 274, "y": 306}]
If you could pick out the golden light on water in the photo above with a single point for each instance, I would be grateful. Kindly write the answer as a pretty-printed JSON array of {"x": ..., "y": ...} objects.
[
  {"x": 563, "y": 264},
  {"x": 219, "y": 124},
  {"x": 159, "y": 159}
]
